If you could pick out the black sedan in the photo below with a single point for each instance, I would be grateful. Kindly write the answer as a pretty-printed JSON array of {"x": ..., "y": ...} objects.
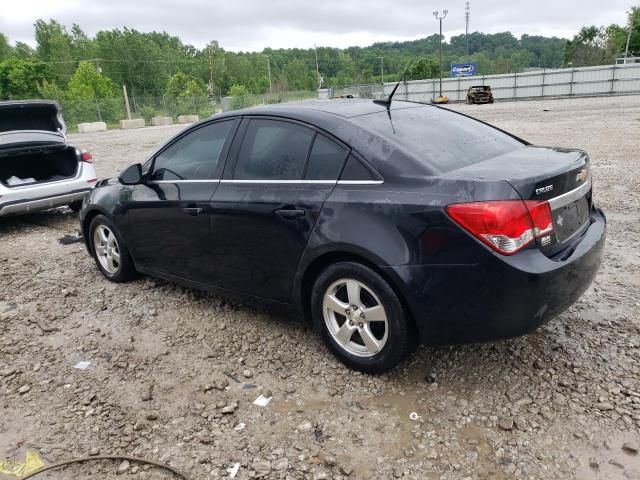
[{"x": 386, "y": 225}]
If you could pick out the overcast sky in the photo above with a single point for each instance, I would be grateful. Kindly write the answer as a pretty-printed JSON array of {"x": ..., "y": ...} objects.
[{"x": 256, "y": 24}]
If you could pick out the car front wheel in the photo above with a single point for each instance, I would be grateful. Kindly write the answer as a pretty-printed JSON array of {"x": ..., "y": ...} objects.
[
  {"x": 110, "y": 251},
  {"x": 360, "y": 317}
]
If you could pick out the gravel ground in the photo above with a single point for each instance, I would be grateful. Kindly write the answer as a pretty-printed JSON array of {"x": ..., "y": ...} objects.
[{"x": 174, "y": 372}]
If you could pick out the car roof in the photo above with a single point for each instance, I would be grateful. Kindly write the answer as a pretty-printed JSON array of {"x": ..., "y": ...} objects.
[{"x": 345, "y": 108}]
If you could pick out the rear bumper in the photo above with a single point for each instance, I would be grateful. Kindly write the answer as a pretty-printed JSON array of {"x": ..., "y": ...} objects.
[
  {"x": 502, "y": 296},
  {"x": 34, "y": 205}
]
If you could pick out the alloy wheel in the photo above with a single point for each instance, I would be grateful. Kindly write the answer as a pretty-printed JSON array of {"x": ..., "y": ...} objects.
[
  {"x": 355, "y": 318},
  {"x": 107, "y": 250}
]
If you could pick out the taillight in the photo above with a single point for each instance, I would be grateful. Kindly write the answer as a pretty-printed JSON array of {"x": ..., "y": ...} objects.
[
  {"x": 507, "y": 225},
  {"x": 86, "y": 156}
]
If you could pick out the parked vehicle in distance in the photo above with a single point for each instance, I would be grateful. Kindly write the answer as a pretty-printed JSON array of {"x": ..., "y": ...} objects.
[
  {"x": 387, "y": 224},
  {"x": 479, "y": 94},
  {"x": 38, "y": 168}
]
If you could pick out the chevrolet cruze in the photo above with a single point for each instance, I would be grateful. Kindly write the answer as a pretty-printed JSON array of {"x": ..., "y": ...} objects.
[{"x": 386, "y": 224}]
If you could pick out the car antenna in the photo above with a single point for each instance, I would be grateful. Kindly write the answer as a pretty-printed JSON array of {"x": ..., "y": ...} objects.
[{"x": 387, "y": 101}]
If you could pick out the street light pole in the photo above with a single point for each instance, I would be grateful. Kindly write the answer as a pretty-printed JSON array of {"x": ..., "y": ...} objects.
[{"x": 440, "y": 18}]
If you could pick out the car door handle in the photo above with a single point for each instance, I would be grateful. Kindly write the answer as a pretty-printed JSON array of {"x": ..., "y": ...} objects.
[
  {"x": 289, "y": 213},
  {"x": 193, "y": 211}
]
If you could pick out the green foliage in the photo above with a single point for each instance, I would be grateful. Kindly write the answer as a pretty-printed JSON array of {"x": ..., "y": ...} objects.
[
  {"x": 5, "y": 49},
  {"x": 20, "y": 78},
  {"x": 424, "y": 68},
  {"x": 239, "y": 97},
  {"x": 88, "y": 87},
  {"x": 186, "y": 94},
  {"x": 634, "y": 24}
]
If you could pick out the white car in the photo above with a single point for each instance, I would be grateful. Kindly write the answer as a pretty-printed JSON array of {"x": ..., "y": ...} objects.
[{"x": 38, "y": 168}]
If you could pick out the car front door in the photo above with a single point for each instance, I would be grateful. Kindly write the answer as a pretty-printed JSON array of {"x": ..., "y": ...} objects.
[
  {"x": 170, "y": 211},
  {"x": 278, "y": 177}
]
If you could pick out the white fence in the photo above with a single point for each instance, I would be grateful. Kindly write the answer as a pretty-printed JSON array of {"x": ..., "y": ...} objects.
[{"x": 564, "y": 82}]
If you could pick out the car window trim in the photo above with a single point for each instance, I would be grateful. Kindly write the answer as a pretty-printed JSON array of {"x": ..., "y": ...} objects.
[{"x": 222, "y": 159}]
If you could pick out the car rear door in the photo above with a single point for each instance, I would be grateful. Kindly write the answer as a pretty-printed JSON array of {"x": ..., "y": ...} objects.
[
  {"x": 278, "y": 177},
  {"x": 170, "y": 211}
]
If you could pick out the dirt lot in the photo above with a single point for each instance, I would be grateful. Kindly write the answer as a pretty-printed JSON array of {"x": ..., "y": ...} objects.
[{"x": 174, "y": 372}]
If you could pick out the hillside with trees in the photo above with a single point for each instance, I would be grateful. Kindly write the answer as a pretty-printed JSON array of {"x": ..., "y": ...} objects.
[{"x": 71, "y": 66}]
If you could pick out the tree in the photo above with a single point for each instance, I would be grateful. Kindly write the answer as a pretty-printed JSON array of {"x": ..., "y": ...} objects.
[
  {"x": 634, "y": 25},
  {"x": 20, "y": 78},
  {"x": 424, "y": 68},
  {"x": 54, "y": 47},
  {"x": 5, "y": 48},
  {"x": 239, "y": 97},
  {"x": 91, "y": 93},
  {"x": 186, "y": 94}
]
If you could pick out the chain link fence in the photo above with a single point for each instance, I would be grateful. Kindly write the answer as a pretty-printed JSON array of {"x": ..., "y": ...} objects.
[{"x": 112, "y": 110}]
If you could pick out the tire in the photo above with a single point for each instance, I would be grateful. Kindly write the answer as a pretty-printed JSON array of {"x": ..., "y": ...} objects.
[
  {"x": 367, "y": 345},
  {"x": 75, "y": 206},
  {"x": 107, "y": 242}
]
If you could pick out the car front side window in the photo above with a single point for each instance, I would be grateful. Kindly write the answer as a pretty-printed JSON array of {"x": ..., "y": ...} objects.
[{"x": 194, "y": 156}]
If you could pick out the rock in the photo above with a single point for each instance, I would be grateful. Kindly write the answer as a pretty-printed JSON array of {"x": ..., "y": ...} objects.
[
  {"x": 7, "y": 371},
  {"x": 219, "y": 381},
  {"x": 432, "y": 454},
  {"x": 616, "y": 463},
  {"x": 94, "y": 451},
  {"x": 261, "y": 466},
  {"x": 305, "y": 426},
  {"x": 321, "y": 475},
  {"x": 521, "y": 423},
  {"x": 124, "y": 467},
  {"x": 152, "y": 416},
  {"x": 330, "y": 461},
  {"x": 280, "y": 464},
  {"x": 228, "y": 409},
  {"x": 593, "y": 463},
  {"x": 247, "y": 374},
  {"x": 346, "y": 470},
  {"x": 630, "y": 448},
  {"x": 506, "y": 423},
  {"x": 604, "y": 406},
  {"x": 24, "y": 389}
]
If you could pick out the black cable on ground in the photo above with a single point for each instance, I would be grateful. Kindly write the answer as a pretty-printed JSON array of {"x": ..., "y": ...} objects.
[{"x": 107, "y": 457}]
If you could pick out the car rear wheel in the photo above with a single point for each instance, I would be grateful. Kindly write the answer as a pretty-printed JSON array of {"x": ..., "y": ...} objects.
[
  {"x": 110, "y": 251},
  {"x": 360, "y": 317}
]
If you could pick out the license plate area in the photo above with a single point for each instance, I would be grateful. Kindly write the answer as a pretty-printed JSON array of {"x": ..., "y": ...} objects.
[{"x": 569, "y": 219}]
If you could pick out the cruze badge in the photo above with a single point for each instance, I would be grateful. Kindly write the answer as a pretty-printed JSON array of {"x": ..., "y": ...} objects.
[
  {"x": 582, "y": 175},
  {"x": 546, "y": 189}
]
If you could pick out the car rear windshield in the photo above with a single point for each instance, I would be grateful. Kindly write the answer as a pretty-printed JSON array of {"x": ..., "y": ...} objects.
[{"x": 444, "y": 141}]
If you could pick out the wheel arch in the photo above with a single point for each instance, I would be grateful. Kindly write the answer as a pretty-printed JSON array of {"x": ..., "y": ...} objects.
[{"x": 86, "y": 223}]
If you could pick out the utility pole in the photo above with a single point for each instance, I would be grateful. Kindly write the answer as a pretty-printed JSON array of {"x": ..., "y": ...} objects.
[
  {"x": 626, "y": 50},
  {"x": 440, "y": 18},
  {"x": 210, "y": 72},
  {"x": 126, "y": 101},
  {"x": 467, "y": 14},
  {"x": 381, "y": 70},
  {"x": 269, "y": 70},
  {"x": 317, "y": 67}
]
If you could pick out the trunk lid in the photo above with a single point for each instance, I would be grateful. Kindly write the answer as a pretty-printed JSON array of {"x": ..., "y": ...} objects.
[
  {"x": 560, "y": 176},
  {"x": 31, "y": 123}
]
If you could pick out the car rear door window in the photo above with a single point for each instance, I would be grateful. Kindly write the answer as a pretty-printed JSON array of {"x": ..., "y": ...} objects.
[
  {"x": 194, "y": 156},
  {"x": 325, "y": 160},
  {"x": 273, "y": 150}
]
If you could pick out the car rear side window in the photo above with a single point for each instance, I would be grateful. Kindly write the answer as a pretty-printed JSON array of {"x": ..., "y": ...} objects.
[
  {"x": 325, "y": 160},
  {"x": 273, "y": 150},
  {"x": 444, "y": 141},
  {"x": 194, "y": 156}
]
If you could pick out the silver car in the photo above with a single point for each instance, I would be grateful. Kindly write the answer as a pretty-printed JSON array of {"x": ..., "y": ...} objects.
[{"x": 38, "y": 168}]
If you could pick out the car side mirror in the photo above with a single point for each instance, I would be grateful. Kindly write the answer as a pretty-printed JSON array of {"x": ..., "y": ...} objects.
[{"x": 132, "y": 175}]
